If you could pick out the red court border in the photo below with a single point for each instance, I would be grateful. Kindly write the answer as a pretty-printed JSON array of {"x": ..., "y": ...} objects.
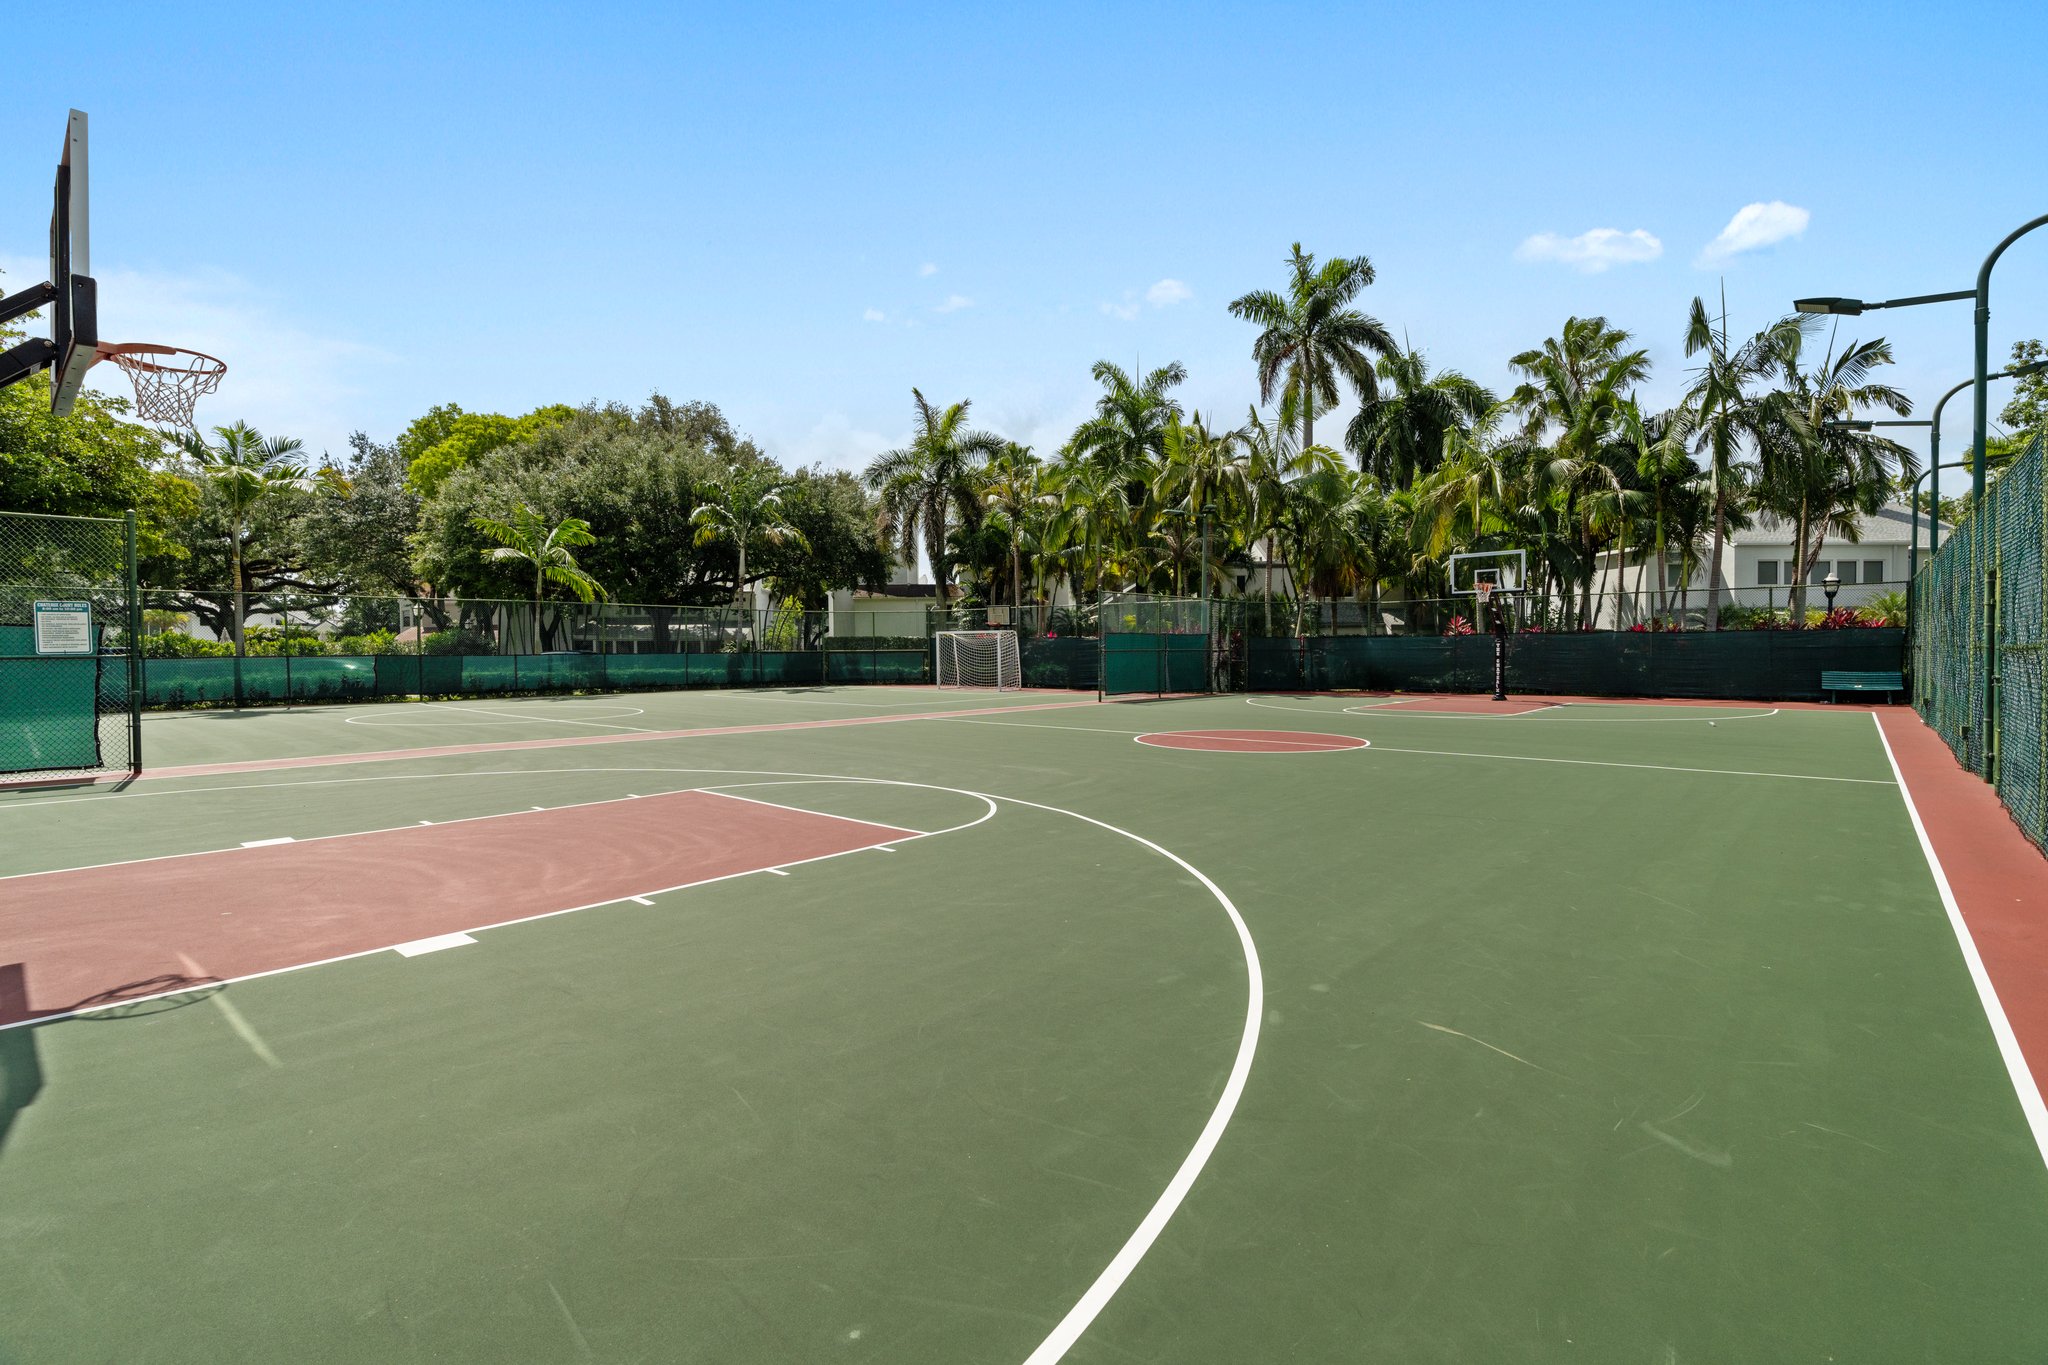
[
  {"x": 1999, "y": 879},
  {"x": 92, "y": 937},
  {"x": 1253, "y": 741}
]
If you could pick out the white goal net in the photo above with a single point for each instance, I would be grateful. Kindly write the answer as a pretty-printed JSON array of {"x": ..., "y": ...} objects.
[{"x": 978, "y": 658}]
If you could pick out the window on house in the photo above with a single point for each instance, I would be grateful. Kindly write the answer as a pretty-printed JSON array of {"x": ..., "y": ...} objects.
[
  {"x": 1819, "y": 572},
  {"x": 1846, "y": 571},
  {"x": 1873, "y": 571},
  {"x": 1767, "y": 573},
  {"x": 1674, "y": 573},
  {"x": 1788, "y": 572}
]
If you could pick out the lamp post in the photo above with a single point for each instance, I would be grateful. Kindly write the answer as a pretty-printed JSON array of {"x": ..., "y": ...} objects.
[
  {"x": 1829, "y": 586},
  {"x": 1934, "y": 464},
  {"x": 1980, "y": 420}
]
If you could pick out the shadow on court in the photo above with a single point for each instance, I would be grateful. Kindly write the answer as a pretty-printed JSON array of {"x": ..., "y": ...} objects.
[{"x": 21, "y": 1070}]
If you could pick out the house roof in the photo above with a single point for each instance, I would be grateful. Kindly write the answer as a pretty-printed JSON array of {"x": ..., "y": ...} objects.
[{"x": 1891, "y": 526}]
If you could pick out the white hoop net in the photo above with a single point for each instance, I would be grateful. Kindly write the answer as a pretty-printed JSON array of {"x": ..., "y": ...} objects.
[{"x": 168, "y": 380}]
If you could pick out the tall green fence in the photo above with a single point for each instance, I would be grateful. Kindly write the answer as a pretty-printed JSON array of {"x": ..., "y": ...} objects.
[
  {"x": 69, "y": 687},
  {"x": 1760, "y": 665},
  {"x": 1155, "y": 646},
  {"x": 1979, "y": 638}
]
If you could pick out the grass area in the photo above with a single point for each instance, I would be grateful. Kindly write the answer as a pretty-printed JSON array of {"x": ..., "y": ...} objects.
[{"x": 1599, "y": 1033}]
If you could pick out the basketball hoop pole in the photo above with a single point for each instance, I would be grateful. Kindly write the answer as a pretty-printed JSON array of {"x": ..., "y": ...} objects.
[{"x": 1496, "y": 618}]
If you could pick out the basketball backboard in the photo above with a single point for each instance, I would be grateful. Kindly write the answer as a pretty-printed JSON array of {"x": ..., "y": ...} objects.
[
  {"x": 1505, "y": 570},
  {"x": 74, "y": 312}
]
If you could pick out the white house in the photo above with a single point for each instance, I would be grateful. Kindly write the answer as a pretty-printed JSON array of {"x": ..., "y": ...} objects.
[{"x": 1758, "y": 569}]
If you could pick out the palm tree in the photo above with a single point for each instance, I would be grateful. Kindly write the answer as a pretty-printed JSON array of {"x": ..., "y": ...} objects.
[
  {"x": 1128, "y": 431},
  {"x": 1819, "y": 474},
  {"x": 921, "y": 485},
  {"x": 1015, "y": 492},
  {"x": 1272, "y": 460},
  {"x": 1094, "y": 497},
  {"x": 1399, "y": 431},
  {"x": 1310, "y": 337},
  {"x": 528, "y": 539},
  {"x": 1665, "y": 470},
  {"x": 1725, "y": 413},
  {"x": 745, "y": 508},
  {"x": 247, "y": 468}
]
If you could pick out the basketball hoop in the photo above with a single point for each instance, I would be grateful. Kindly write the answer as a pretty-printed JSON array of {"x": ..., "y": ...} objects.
[
  {"x": 168, "y": 379},
  {"x": 1484, "y": 589}
]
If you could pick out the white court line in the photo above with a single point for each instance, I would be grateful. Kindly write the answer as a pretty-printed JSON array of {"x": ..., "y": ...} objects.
[
  {"x": 799, "y": 810},
  {"x": 313, "y": 839},
  {"x": 1027, "y": 725},
  {"x": 2023, "y": 1082},
  {"x": 1382, "y": 709},
  {"x": 639, "y": 900},
  {"x": 514, "y": 718},
  {"x": 1652, "y": 767},
  {"x": 1146, "y": 739},
  {"x": 523, "y": 919},
  {"x": 1098, "y": 1294},
  {"x": 437, "y": 943}
]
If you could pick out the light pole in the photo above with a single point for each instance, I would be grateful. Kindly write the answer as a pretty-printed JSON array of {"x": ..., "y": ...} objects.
[
  {"x": 1829, "y": 586},
  {"x": 1980, "y": 420}
]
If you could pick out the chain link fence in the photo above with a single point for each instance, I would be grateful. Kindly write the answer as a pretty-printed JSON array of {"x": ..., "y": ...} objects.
[
  {"x": 69, "y": 683},
  {"x": 1979, "y": 635}
]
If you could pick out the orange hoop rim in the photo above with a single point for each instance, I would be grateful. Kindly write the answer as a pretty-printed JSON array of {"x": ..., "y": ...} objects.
[{"x": 128, "y": 355}]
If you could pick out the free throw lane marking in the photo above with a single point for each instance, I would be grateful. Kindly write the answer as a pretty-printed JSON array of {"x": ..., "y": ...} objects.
[
  {"x": 432, "y": 945},
  {"x": 267, "y": 843}
]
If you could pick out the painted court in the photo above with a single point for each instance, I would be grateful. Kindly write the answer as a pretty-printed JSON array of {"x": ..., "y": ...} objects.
[{"x": 889, "y": 1025}]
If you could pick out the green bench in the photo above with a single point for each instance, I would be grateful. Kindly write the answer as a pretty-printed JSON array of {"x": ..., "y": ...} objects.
[{"x": 1832, "y": 682}]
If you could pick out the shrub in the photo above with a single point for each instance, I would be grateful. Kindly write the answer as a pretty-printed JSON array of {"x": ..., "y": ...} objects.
[
  {"x": 375, "y": 642},
  {"x": 462, "y": 641},
  {"x": 1885, "y": 609},
  {"x": 274, "y": 642},
  {"x": 1458, "y": 625},
  {"x": 176, "y": 644}
]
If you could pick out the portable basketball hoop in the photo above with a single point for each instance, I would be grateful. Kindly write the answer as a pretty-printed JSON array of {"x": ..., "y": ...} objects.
[
  {"x": 168, "y": 380},
  {"x": 1484, "y": 590}
]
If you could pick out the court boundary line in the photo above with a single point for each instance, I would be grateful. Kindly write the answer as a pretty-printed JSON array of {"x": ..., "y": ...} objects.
[{"x": 2025, "y": 1087}]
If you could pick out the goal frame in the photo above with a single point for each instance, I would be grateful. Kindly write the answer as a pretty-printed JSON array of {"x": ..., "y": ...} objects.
[{"x": 1006, "y": 666}]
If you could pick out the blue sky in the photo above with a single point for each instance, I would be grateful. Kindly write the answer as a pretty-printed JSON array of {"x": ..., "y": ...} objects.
[{"x": 800, "y": 212}]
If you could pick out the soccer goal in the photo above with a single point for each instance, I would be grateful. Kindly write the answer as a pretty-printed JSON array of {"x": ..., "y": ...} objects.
[{"x": 978, "y": 658}]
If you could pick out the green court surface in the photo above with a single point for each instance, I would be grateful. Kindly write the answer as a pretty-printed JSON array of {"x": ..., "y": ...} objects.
[{"x": 1618, "y": 1033}]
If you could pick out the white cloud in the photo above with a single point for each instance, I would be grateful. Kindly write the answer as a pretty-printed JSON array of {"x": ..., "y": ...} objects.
[
  {"x": 874, "y": 315},
  {"x": 954, "y": 303},
  {"x": 282, "y": 377},
  {"x": 1164, "y": 294},
  {"x": 1168, "y": 292},
  {"x": 1753, "y": 227},
  {"x": 1594, "y": 251},
  {"x": 834, "y": 441},
  {"x": 927, "y": 270}
]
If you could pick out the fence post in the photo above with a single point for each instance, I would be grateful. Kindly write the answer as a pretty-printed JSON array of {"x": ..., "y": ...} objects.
[{"x": 135, "y": 675}]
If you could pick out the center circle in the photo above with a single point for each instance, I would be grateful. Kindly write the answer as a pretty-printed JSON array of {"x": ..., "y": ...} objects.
[{"x": 1253, "y": 741}]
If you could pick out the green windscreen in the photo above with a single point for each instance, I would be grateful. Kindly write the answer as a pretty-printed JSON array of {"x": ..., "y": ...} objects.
[{"x": 49, "y": 707}]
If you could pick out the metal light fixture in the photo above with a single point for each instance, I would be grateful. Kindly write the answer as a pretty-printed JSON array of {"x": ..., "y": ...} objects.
[
  {"x": 1845, "y": 307},
  {"x": 1831, "y": 585}
]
